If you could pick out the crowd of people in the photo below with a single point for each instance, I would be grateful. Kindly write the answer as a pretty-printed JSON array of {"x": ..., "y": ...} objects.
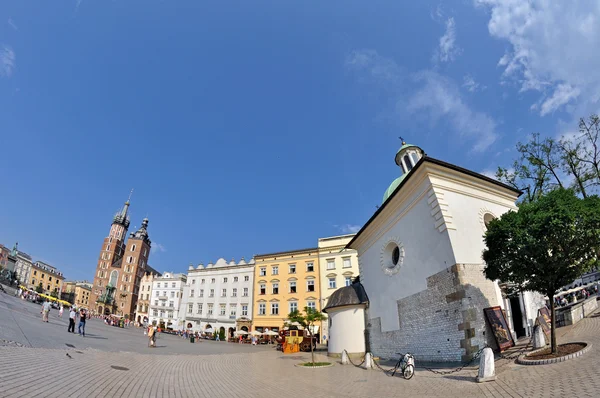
[{"x": 570, "y": 298}]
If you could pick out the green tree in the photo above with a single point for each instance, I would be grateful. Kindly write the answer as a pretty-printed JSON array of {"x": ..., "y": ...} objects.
[
  {"x": 545, "y": 245},
  {"x": 39, "y": 288},
  {"x": 307, "y": 320},
  {"x": 54, "y": 294},
  {"x": 222, "y": 334}
]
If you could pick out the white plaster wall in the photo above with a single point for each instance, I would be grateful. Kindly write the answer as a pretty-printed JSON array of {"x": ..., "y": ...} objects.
[
  {"x": 427, "y": 252},
  {"x": 347, "y": 330}
]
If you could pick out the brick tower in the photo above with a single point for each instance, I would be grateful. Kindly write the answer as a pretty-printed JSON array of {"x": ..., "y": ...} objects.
[{"x": 120, "y": 267}]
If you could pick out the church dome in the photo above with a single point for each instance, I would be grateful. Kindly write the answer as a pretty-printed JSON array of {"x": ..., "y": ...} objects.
[{"x": 388, "y": 192}]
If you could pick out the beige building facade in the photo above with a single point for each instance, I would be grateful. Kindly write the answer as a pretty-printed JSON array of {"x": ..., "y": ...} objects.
[{"x": 338, "y": 266}]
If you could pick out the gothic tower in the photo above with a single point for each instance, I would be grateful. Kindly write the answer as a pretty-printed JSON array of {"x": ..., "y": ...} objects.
[{"x": 120, "y": 267}]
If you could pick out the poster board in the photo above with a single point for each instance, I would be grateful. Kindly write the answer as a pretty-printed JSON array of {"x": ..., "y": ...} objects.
[
  {"x": 544, "y": 321},
  {"x": 497, "y": 322}
]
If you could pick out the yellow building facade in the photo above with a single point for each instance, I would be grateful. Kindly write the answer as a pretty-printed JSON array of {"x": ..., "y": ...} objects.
[
  {"x": 81, "y": 293},
  {"x": 284, "y": 282},
  {"x": 338, "y": 267},
  {"x": 48, "y": 276}
]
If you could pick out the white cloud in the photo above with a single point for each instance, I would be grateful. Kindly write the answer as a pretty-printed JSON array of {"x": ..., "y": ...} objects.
[
  {"x": 12, "y": 24},
  {"x": 440, "y": 98},
  {"x": 448, "y": 51},
  {"x": 7, "y": 61},
  {"x": 379, "y": 68},
  {"x": 348, "y": 228},
  {"x": 157, "y": 247},
  {"x": 553, "y": 50},
  {"x": 471, "y": 85}
]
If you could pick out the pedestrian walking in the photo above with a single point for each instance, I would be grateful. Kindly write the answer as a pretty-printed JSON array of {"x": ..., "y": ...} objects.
[
  {"x": 72, "y": 316},
  {"x": 60, "y": 312},
  {"x": 45, "y": 310},
  {"x": 82, "y": 316},
  {"x": 151, "y": 336}
]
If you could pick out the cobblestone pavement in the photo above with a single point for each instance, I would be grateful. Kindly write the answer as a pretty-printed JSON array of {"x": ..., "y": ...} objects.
[{"x": 55, "y": 370}]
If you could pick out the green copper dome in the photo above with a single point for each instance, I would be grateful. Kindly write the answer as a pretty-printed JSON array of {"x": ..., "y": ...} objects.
[{"x": 388, "y": 192}]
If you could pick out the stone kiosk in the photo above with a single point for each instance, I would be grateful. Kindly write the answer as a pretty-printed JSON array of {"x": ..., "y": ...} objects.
[{"x": 346, "y": 317}]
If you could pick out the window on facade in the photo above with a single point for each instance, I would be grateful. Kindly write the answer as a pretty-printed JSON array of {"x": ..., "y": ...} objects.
[
  {"x": 190, "y": 308},
  {"x": 275, "y": 270},
  {"x": 170, "y": 304},
  {"x": 191, "y": 293},
  {"x": 234, "y": 293},
  {"x": 292, "y": 268},
  {"x": 331, "y": 264},
  {"x": 246, "y": 278},
  {"x": 193, "y": 281},
  {"x": 408, "y": 163},
  {"x": 154, "y": 312},
  {"x": 210, "y": 309},
  {"x": 157, "y": 293},
  {"x": 222, "y": 308},
  {"x": 155, "y": 302},
  {"x": 232, "y": 311},
  {"x": 170, "y": 314},
  {"x": 310, "y": 286},
  {"x": 331, "y": 283},
  {"x": 275, "y": 288},
  {"x": 212, "y": 280},
  {"x": 199, "y": 311},
  {"x": 263, "y": 288},
  {"x": 235, "y": 278},
  {"x": 274, "y": 308},
  {"x": 263, "y": 271},
  {"x": 224, "y": 280},
  {"x": 158, "y": 284},
  {"x": 292, "y": 287},
  {"x": 129, "y": 260},
  {"x": 348, "y": 280},
  {"x": 224, "y": 293},
  {"x": 50, "y": 279},
  {"x": 133, "y": 248},
  {"x": 244, "y": 310},
  {"x": 202, "y": 281},
  {"x": 212, "y": 293},
  {"x": 173, "y": 284},
  {"x": 201, "y": 293},
  {"x": 165, "y": 294},
  {"x": 347, "y": 262},
  {"x": 311, "y": 304},
  {"x": 245, "y": 292},
  {"x": 310, "y": 267},
  {"x": 293, "y": 306},
  {"x": 262, "y": 308}
]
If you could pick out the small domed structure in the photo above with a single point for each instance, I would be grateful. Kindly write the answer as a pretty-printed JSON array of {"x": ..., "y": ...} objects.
[
  {"x": 346, "y": 311},
  {"x": 407, "y": 157}
]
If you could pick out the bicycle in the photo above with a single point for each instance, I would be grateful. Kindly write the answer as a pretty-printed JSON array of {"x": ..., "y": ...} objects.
[{"x": 406, "y": 364}]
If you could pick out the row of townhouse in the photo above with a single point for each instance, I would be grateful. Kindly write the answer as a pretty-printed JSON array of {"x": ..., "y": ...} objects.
[{"x": 248, "y": 295}]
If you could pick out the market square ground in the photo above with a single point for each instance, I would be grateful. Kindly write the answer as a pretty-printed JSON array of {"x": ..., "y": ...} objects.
[{"x": 113, "y": 362}]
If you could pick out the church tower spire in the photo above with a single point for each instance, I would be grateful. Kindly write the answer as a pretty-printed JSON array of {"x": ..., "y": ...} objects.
[{"x": 406, "y": 158}]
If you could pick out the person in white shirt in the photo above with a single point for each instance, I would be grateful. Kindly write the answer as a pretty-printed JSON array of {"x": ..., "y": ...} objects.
[
  {"x": 72, "y": 316},
  {"x": 45, "y": 310}
]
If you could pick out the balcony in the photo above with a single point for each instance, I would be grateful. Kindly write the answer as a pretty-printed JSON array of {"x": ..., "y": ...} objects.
[{"x": 162, "y": 298}]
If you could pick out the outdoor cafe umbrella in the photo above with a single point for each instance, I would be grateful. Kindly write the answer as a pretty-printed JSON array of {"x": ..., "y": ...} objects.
[
  {"x": 240, "y": 332},
  {"x": 211, "y": 330},
  {"x": 255, "y": 333}
]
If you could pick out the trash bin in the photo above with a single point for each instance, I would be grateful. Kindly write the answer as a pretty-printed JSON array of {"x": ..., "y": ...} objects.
[{"x": 192, "y": 339}]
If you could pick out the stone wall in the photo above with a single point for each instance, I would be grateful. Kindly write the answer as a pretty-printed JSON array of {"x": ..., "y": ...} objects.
[{"x": 445, "y": 322}]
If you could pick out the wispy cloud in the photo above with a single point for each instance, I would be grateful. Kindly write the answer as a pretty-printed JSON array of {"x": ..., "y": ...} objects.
[
  {"x": 348, "y": 228},
  {"x": 12, "y": 24},
  {"x": 158, "y": 248},
  {"x": 448, "y": 50},
  {"x": 550, "y": 51},
  {"x": 439, "y": 98},
  {"x": 471, "y": 85},
  {"x": 7, "y": 61}
]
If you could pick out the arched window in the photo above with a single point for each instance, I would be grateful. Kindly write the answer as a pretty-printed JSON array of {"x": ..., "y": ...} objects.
[
  {"x": 133, "y": 248},
  {"x": 114, "y": 276},
  {"x": 408, "y": 162},
  {"x": 487, "y": 218}
]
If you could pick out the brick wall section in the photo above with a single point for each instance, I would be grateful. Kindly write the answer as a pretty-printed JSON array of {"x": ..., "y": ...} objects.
[{"x": 443, "y": 323}]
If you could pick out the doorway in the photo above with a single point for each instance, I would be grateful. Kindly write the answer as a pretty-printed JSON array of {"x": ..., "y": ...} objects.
[{"x": 517, "y": 316}]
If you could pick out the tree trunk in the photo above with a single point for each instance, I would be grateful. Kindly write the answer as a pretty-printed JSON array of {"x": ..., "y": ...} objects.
[{"x": 553, "y": 325}]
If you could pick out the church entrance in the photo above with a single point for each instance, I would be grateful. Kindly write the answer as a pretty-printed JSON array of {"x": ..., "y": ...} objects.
[{"x": 517, "y": 316}]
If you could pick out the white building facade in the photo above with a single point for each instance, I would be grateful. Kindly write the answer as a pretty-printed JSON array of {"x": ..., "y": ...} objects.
[
  {"x": 165, "y": 301},
  {"x": 420, "y": 259},
  {"x": 23, "y": 267},
  {"x": 219, "y": 296}
]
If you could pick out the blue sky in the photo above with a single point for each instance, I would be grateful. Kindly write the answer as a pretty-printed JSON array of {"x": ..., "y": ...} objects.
[{"x": 252, "y": 127}]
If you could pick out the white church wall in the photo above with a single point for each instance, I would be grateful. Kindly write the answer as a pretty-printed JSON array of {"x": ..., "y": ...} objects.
[
  {"x": 346, "y": 330},
  {"x": 426, "y": 252}
]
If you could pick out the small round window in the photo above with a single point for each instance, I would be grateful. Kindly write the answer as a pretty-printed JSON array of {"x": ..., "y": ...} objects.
[{"x": 392, "y": 257}]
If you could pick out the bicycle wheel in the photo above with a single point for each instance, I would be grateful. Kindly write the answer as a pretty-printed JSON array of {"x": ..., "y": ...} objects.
[{"x": 409, "y": 371}]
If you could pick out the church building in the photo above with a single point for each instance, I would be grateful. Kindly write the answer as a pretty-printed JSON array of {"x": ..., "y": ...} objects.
[
  {"x": 120, "y": 268},
  {"x": 420, "y": 261}
]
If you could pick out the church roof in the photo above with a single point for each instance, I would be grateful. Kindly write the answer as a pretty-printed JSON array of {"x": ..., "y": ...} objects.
[
  {"x": 354, "y": 294},
  {"x": 393, "y": 187},
  {"x": 427, "y": 159}
]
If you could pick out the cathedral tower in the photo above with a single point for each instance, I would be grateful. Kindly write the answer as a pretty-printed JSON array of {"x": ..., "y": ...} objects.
[{"x": 120, "y": 267}]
